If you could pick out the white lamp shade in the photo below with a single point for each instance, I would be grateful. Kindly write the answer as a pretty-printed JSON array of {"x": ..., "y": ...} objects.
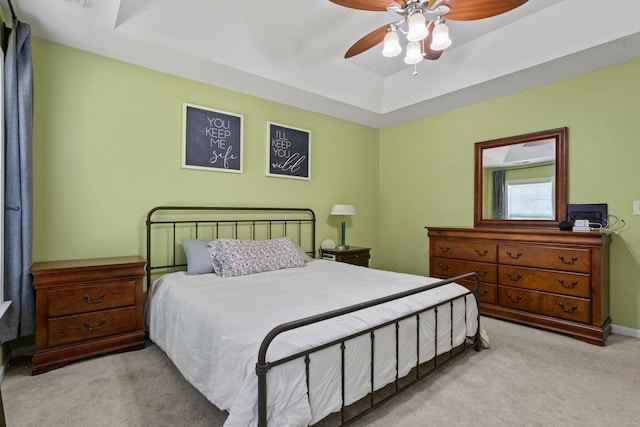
[
  {"x": 417, "y": 27},
  {"x": 441, "y": 38},
  {"x": 391, "y": 45},
  {"x": 343, "y": 210},
  {"x": 414, "y": 53}
]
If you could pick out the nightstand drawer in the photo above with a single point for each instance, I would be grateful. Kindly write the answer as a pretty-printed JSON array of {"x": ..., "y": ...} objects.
[
  {"x": 83, "y": 299},
  {"x": 351, "y": 255},
  {"x": 82, "y": 327},
  {"x": 356, "y": 258}
]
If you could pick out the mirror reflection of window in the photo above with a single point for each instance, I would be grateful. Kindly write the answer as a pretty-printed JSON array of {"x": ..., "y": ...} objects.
[
  {"x": 519, "y": 181},
  {"x": 530, "y": 199},
  {"x": 540, "y": 156}
]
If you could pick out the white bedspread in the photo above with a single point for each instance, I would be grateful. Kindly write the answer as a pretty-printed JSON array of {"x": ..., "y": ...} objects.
[{"x": 211, "y": 328}]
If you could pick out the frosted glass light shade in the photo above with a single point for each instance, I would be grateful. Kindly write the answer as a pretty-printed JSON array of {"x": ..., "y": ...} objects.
[
  {"x": 417, "y": 27},
  {"x": 441, "y": 38},
  {"x": 414, "y": 53},
  {"x": 391, "y": 45},
  {"x": 343, "y": 210}
]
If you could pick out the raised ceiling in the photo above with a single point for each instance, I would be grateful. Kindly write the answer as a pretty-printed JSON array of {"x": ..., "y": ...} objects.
[{"x": 293, "y": 51}]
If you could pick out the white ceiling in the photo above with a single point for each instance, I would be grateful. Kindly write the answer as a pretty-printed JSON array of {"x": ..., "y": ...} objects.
[{"x": 293, "y": 51}]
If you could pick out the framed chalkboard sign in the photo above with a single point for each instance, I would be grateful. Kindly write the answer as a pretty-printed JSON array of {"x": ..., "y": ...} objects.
[
  {"x": 211, "y": 139},
  {"x": 288, "y": 151}
]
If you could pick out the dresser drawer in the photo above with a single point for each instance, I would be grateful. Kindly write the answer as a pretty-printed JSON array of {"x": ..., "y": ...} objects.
[
  {"x": 82, "y": 327},
  {"x": 488, "y": 291},
  {"x": 552, "y": 279},
  {"x": 569, "y": 259},
  {"x": 575, "y": 309},
  {"x": 93, "y": 297},
  {"x": 444, "y": 267},
  {"x": 573, "y": 284},
  {"x": 469, "y": 250}
]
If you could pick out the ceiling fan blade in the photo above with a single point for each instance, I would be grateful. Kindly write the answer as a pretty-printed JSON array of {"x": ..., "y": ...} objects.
[
  {"x": 367, "y": 42},
  {"x": 375, "y": 5},
  {"x": 428, "y": 52},
  {"x": 469, "y": 10}
]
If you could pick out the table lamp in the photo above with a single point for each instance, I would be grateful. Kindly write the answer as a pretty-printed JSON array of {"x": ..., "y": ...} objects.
[{"x": 343, "y": 210}]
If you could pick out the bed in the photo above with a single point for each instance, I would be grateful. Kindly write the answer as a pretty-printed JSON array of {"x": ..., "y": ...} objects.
[{"x": 300, "y": 342}]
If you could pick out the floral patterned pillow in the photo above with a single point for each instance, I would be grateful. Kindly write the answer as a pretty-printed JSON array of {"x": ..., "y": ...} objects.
[{"x": 231, "y": 257}]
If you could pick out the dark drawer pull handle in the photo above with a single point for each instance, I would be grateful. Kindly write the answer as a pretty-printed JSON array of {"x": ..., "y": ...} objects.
[
  {"x": 483, "y": 252},
  {"x": 518, "y": 255},
  {"x": 567, "y": 310},
  {"x": 573, "y": 284},
  {"x": 514, "y": 300},
  {"x": 573, "y": 260},
  {"x": 94, "y": 301},
  {"x": 444, "y": 267},
  {"x": 445, "y": 250},
  {"x": 484, "y": 273},
  {"x": 93, "y": 328},
  {"x": 515, "y": 279},
  {"x": 483, "y": 292}
]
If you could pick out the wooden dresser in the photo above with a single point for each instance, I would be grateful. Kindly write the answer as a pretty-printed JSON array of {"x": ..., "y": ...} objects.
[
  {"x": 85, "y": 308},
  {"x": 556, "y": 280}
]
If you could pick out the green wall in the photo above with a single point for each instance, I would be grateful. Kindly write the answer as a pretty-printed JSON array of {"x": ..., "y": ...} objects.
[
  {"x": 107, "y": 141},
  {"x": 426, "y": 168},
  {"x": 107, "y": 148}
]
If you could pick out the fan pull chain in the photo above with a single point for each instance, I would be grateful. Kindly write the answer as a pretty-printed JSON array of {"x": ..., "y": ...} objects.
[{"x": 415, "y": 70}]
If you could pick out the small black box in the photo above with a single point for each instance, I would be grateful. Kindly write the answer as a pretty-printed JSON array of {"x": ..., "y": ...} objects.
[{"x": 596, "y": 213}]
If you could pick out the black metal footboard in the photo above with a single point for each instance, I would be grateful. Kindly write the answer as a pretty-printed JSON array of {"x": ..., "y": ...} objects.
[{"x": 263, "y": 367}]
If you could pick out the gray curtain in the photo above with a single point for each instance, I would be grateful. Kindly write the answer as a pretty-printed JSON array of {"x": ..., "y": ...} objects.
[
  {"x": 19, "y": 320},
  {"x": 498, "y": 194}
]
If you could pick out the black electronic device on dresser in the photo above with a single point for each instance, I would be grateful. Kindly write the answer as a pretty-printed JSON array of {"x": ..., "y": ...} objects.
[{"x": 351, "y": 255}]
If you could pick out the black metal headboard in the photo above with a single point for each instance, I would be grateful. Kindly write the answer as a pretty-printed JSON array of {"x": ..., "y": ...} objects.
[{"x": 167, "y": 226}]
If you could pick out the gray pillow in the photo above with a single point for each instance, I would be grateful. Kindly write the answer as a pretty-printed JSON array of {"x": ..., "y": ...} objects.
[
  {"x": 198, "y": 257},
  {"x": 305, "y": 256}
]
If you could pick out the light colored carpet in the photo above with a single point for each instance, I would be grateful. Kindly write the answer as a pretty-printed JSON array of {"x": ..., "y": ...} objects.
[{"x": 528, "y": 378}]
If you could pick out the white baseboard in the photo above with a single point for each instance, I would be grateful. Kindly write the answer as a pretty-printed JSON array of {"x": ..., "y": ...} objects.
[{"x": 622, "y": 330}]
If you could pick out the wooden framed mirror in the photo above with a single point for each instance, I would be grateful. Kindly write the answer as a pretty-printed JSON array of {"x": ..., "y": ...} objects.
[{"x": 521, "y": 181}]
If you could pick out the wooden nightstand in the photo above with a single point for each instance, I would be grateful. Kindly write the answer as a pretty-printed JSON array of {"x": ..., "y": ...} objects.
[
  {"x": 85, "y": 308},
  {"x": 352, "y": 255}
]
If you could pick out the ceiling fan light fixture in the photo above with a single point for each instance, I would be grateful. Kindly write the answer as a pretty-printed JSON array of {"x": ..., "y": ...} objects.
[
  {"x": 414, "y": 53},
  {"x": 417, "y": 27},
  {"x": 391, "y": 45},
  {"x": 440, "y": 36}
]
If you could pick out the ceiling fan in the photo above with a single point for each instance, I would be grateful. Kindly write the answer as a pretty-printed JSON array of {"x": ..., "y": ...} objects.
[{"x": 427, "y": 37}]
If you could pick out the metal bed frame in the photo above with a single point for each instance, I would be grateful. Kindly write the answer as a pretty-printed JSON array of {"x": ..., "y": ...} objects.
[
  {"x": 197, "y": 220},
  {"x": 293, "y": 222}
]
